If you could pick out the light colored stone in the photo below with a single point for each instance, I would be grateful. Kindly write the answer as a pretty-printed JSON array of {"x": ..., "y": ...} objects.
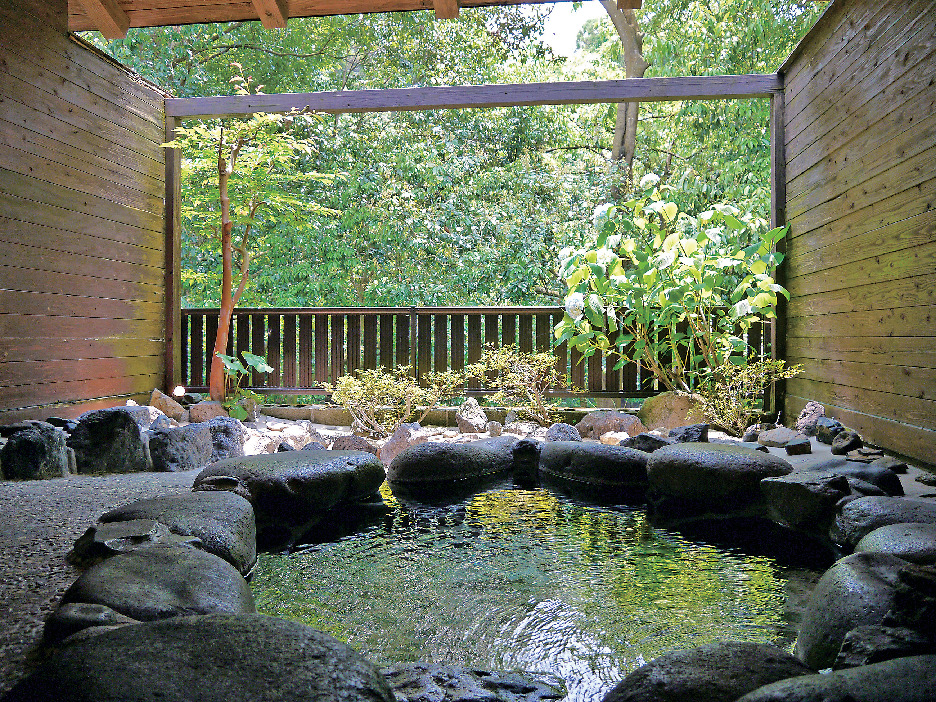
[
  {"x": 205, "y": 410},
  {"x": 470, "y": 417},
  {"x": 614, "y": 438},
  {"x": 166, "y": 404},
  {"x": 595, "y": 424},
  {"x": 669, "y": 410},
  {"x": 405, "y": 436},
  {"x": 778, "y": 437}
]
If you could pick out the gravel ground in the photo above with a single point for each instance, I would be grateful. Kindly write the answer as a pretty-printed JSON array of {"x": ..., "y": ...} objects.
[{"x": 39, "y": 522}]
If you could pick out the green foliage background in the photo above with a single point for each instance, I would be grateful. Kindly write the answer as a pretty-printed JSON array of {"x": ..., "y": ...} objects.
[{"x": 470, "y": 206}]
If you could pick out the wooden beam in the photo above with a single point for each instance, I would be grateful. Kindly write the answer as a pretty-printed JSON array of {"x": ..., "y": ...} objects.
[
  {"x": 173, "y": 272},
  {"x": 778, "y": 219},
  {"x": 107, "y": 17},
  {"x": 446, "y": 9},
  {"x": 273, "y": 13},
  {"x": 466, "y": 96},
  {"x": 629, "y": 4}
]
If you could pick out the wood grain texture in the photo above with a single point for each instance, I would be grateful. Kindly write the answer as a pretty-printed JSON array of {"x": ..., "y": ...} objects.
[{"x": 465, "y": 96}]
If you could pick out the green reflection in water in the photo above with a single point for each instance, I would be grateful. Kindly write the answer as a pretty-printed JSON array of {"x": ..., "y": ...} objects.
[{"x": 520, "y": 579}]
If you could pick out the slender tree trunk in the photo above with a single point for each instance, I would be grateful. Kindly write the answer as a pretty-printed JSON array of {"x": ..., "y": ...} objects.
[{"x": 625, "y": 126}]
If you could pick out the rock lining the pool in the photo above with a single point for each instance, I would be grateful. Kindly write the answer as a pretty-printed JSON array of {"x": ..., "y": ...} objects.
[{"x": 145, "y": 578}]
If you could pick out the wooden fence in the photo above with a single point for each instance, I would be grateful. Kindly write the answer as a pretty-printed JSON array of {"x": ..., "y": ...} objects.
[{"x": 308, "y": 347}]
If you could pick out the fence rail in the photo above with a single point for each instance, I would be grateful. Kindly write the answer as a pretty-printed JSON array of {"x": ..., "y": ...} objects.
[{"x": 310, "y": 346}]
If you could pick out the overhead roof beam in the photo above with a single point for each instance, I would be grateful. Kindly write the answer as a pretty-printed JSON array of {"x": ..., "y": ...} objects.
[
  {"x": 273, "y": 13},
  {"x": 465, "y": 96},
  {"x": 107, "y": 17}
]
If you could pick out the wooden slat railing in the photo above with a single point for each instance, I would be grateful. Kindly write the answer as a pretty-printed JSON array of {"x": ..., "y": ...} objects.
[{"x": 310, "y": 346}]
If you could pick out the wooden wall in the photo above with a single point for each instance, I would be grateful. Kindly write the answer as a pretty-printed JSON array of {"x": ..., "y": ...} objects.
[
  {"x": 860, "y": 153},
  {"x": 81, "y": 222}
]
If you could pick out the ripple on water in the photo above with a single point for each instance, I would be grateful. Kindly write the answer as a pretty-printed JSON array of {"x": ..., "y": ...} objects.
[{"x": 529, "y": 580}]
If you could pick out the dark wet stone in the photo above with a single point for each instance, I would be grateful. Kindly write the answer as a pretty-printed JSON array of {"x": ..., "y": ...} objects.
[
  {"x": 694, "y": 433},
  {"x": 910, "y": 679},
  {"x": 221, "y": 521},
  {"x": 78, "y": 616},
  {"x": 293, "y": 491},
  {"x": 862, "y": 516},
  {"x": 591, "y": 464},
  {"x": 105, "y": 540},
  {"x": 719, "y": 672},
  {"x": 891, "y": 463},
  {"x": 227, "y": 437},
  {"x": 721, "y": 478},
  {"x": 827, "y": 428},
  {"x": 311, "y": 446},
  {"x": 912, "y": 542},
  {"x": 846, "y": 441},
  {"x": 179, "y": 449},
  {"x": 798, "y": 447},
  {"x": 526, "y": 459},
  {"x": 887, "y": 480},
  {"x": 442, "y": 462},
  {"x": 67, "y": 425},
  {"x": 420, "y": 682},
  {"x": 38, "y": 451},
  {"x": 915, "y": 600},
  {"x": 110, "y": 441},
  {"x": 163, "y": 581},
  {"x": 866, "y": 645},
  {"x": 856, "y": 591},
  {"x": 805, "y": 500},
  {"x": 214, "y": 658},
  {"x": 562, "y": 432},
  {"x": 647, "y": 443}
]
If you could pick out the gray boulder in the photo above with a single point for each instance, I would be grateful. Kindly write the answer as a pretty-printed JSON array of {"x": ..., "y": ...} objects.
[
  {"x": 111, "y": 441},
  {"x": 586, "y": 464},
  {"x": 884, "y": 478},
  {"x": 441, "y": 463},
  {"x": 694, "y": 433},
  {"x": 913, "y": 542},
  {"x": 560, "y": 431},
  {"x": 223, "y": 522},
  {"x": 145, "y": 416},
  {"x": 163, "y": 581},
  {"x": 293, "y": 491},
  {"x": 862, "y": 516},
  {"x": 719, "y": 672},
  {"x": 846, "y": 441},
  {"x": 720, "y": 478},
  {"x": 179, "y": 449},
  {"x": 599, "y": 422},
  {"x": 470, "y": 418},
  {"x": 806, "y": 422},
  {"x": 214, "y": 658},
  {"x": 798, "y": 447},
  {"x": 228, "y": 436},
  {"x": 856, "y": 591},
  {"x": 911, "y": 679},
  {"x": 778, "y": 437},
  {"x": 805, "y": 500},
  {"x": 420, "y": 682},
  {"x": 36, "y": 452}
]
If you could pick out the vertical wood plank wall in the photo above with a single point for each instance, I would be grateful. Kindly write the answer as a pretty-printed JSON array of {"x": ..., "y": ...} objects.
[
  {"x": 82, "y": 269},
  {"x": 860, "y": 143}
]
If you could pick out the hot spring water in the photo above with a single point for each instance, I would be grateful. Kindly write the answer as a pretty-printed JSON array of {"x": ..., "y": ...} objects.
[{"x": 531, "y": 580}]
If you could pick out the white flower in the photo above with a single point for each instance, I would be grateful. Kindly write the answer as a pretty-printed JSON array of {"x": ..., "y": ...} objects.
[
  {"x": 575, "y": 306},
  {"x": 601, "y": 215}
]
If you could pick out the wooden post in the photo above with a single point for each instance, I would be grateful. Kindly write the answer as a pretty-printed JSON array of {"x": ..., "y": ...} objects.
[
  {"x": 173, "y": 261},
  {"x": 778, "y": 219}
]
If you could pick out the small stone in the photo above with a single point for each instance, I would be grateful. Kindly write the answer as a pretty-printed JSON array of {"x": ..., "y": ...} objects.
[
  {"x": 798, "y": 447},
  {"x": 778, "y": 437},
  {"x": 827, "y": 428},
  {"x": 351, "y": 442},
  {"x": 563, "y": 432},
  {"x": 647, "y": 442},
  {"x": 614, "y": 438},
  {"x": 891, "y": 463},
  {"x": 470, "y": 417},
  {"x": 845, "y": 441},
  {"x": 166, "y": 404},
  {"x": 406, "y": 435},
  {"x": 494, "y": 428},
  {"x": 694, "y": 433}
]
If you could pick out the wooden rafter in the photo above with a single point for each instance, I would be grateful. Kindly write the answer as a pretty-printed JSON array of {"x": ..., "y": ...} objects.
[
  {"x": 629, "y": 4},
  {"x": 273, "y": 13},
  {"x": 446, "y": 9},
  {"x": 107, "y": 17},
  {"x": 465, "y": 96}
]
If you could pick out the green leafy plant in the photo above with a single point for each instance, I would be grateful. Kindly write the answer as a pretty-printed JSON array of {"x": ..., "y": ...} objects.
[
  {"x": 673, "y": 291},
  {"x": 522, "y": 379},
  {"x": 380, "y": 400},
  {"x": 239, "y": 398},
  {"x": 731, "y": 395}
]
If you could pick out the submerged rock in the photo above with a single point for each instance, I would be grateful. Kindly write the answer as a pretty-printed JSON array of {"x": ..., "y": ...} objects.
[
  {"x": 419, "y": 682},
  {"x": 719, "y": 672},
  {"x": 214, "y": 658}
]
